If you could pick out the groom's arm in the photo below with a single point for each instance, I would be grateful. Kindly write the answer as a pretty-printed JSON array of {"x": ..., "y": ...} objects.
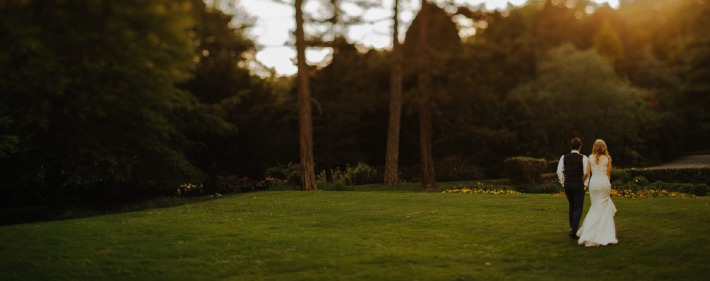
[{"x": 561, "y": 170}]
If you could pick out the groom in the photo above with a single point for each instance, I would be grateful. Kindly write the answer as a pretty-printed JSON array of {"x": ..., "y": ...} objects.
[{"x": 570, "y": 171}]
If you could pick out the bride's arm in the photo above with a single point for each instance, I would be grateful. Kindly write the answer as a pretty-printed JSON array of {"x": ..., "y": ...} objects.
[
  {"x": 587, "y": 172},
  {"x": 608, "y": 169}
]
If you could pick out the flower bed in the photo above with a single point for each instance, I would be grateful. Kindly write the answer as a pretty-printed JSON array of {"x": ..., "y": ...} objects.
[
  {"x": 643, "y": 193},
  {"x": 628, "y": 193},
  {"x": 482, "y": 188}
]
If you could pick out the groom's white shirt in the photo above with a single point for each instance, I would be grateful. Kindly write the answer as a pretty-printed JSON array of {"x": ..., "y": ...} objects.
[{"x": 561, "y": 167}]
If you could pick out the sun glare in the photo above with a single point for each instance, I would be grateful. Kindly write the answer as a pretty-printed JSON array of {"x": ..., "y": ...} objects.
[{"x": 274, "y": 26}]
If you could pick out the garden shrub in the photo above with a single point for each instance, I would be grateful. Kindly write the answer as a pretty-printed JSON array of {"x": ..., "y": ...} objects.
[
  {"x": 453, "y": 168},
  {"x": 552, "y": 166},
  {"x": 359, "y": 174},
  {"x": 289, "y": 174},
  {"x": 640, "y": 180},
  {"x": 190, "y": 189},
  {"x": 524, "y": 170},
  {"x": 682, "y": 187},
  {"x": 682, "y": 180},
  {"x": 232, "y": 183},
  {"x": 410, "y": 173},
  {"x": 685, "y": 175},
  {"x": 619, "y": 175},
  {"x": 641, "y": 184},
  {"x": 550, "y": 178},
  {"x": 700, "y": 189},
  {"x": 321, "y": 177},
  {"x": 362, "y": 174}
]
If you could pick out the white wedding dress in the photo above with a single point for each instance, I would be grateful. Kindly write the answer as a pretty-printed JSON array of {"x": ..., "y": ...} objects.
[{"x": 598, "y": 227}]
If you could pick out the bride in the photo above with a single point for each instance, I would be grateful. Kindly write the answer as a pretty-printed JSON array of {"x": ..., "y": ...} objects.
[{"x": 598, "y": 227}]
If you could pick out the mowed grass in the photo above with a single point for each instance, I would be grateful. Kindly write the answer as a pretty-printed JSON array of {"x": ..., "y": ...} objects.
[{"x": 356, "y": 235}]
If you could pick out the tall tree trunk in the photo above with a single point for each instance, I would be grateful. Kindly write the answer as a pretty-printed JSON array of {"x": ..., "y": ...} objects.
[
  {"x": 425, "y": 100},
  {"x": 328, "y": 150},
  {"x": 425, "y": 141},
  {"x": 392, "y": 158},
  {"x": 308, "y": 178}
]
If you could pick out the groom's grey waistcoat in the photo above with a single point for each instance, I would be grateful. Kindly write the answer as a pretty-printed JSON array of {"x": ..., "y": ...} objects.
[{"x": 573, "y": 168}]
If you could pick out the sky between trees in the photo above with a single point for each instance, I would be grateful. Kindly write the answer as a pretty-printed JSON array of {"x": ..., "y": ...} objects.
[{"x": 273, "y": 26}]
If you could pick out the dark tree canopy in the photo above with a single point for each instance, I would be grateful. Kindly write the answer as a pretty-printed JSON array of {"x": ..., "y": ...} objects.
[{"x": 113, "y": 100}]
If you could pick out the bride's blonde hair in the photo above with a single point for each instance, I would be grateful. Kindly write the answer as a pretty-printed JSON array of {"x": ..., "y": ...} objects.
[{"x": 600, "y": 149}]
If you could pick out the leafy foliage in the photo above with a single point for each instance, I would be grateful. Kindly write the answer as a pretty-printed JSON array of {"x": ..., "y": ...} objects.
[
  {"x": 454, "y": 168},
  {"x": 290, "y": 173},
  {"x": 352, "y": 175},
  {"x": 576, "y": 93},
  {"x": 96, "y": 81}
]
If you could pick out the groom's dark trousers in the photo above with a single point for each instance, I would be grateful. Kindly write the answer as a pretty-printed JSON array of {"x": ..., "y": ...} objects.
[
  {"x": 574, "y": 189},
  {"x": 575, "y": 197}
]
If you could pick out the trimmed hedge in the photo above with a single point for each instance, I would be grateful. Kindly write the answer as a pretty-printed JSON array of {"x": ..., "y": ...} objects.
[
  {"x": 619, "y": 175},
  {"x": 672, "y": 175},
  {"x": 684, "y": 180},
  {"x": 552, "y": 166},
  {"x": 524, "y": 170}
]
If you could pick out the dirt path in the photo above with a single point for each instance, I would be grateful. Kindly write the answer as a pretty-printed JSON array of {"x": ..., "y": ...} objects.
[{"x": 690, "y": 161}]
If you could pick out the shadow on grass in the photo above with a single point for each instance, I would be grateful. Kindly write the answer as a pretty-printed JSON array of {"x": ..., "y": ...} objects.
[{"x": 30, "y": 214}]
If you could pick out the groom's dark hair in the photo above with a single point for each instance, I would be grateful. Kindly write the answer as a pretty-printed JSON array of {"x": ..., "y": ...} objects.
[{"x": 575, "y": 144}]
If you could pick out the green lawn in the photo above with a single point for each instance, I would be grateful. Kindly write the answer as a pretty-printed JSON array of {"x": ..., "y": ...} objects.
[{"x": 361, "y": 235}]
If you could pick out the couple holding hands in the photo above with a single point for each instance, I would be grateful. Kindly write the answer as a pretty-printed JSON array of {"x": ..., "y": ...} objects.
[{"x": 579, "y": 173}]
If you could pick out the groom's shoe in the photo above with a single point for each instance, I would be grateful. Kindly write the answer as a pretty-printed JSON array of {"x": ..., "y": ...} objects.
[{"x": 573, "y": 234}]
